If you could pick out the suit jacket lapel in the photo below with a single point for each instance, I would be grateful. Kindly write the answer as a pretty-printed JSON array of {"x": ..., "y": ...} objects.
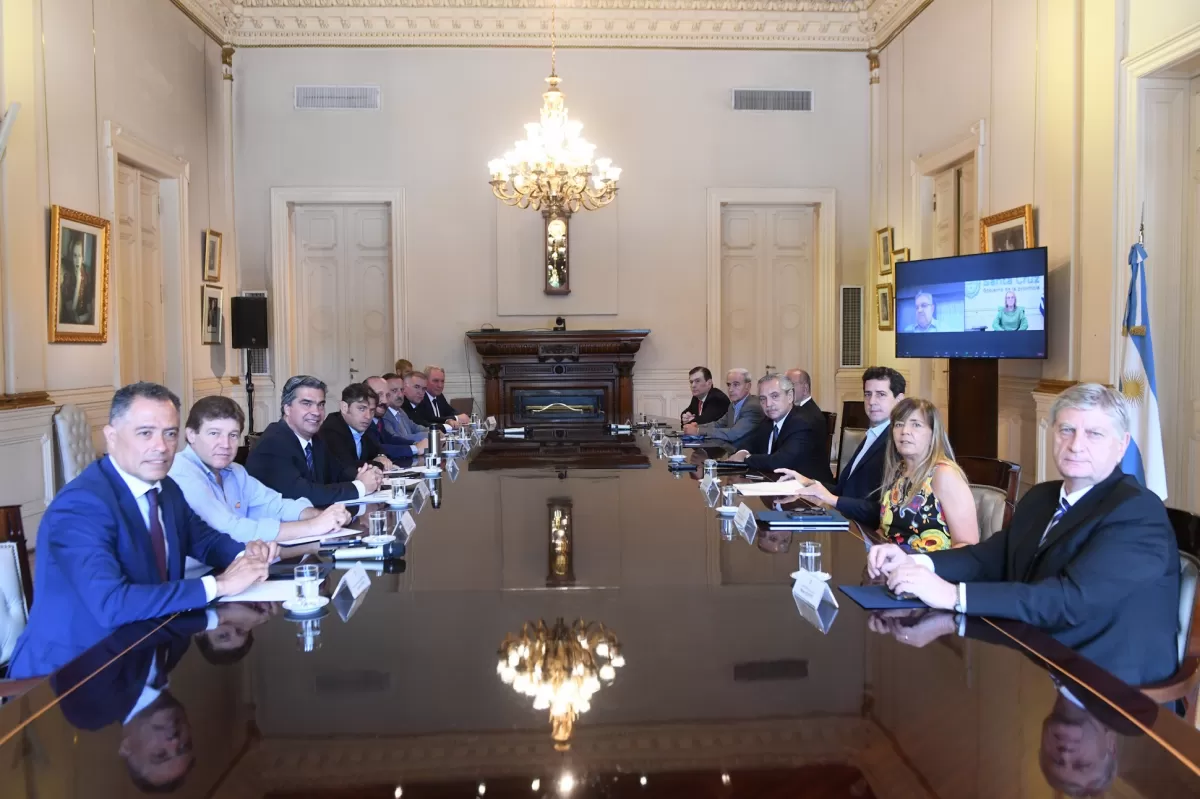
[
  {"x": 1078, "y": 513},
  {"x": 139, "y": 533}
]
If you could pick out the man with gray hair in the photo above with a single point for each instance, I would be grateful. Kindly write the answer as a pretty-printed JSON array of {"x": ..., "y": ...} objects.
[
  {"x": 437, "y": 405},
  {"x": 741, "y": 420},
  {"x": 291, "y": 458},
  {"x": 926, "y": 310},
  {"x": 1090, "y": 559},
  {"x": 785, "y": 439}
]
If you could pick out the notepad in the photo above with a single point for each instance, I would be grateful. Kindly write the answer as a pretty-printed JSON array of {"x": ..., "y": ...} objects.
[
  {"x": 310, "y": 539},
  {"x": 269, "y": 591},
  {"x": 783, "y": 488}
]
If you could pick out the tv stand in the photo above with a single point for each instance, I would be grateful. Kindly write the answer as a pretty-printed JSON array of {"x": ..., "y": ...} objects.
[{"x": 972, "y": 420}]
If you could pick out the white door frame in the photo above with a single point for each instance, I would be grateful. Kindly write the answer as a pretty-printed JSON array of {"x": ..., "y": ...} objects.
[
  {"x": 283, "y": 263},
  {"x": 824, "y": 322},
  {"x": 179, "y": 290}
]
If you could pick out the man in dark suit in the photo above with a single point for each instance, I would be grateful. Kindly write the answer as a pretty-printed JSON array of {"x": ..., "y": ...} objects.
[
  {"x": 1090, "y": 559},
  {"x": 786, "y": 439},
  {"x": 345, "y": 433},
  {"x": 385, "y": 426},
  {"x": 416, "y": 403},
  {"x": 740, "y": 422},
  {"x": 439, "y": 406},
  {"x": 292, "y": 459},
  {"x": 112, "y": 544},
  {"x": 708, "y": 404},
  {"x": 856, "y": 493}
]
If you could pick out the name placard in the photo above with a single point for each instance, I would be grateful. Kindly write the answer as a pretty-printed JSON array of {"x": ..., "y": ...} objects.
[
  {"x": 354, "y": 582},
  {"x": 745, "y": 523},
  {"x": 408, "y": 523},
  {"x": 811, "y": 589}
]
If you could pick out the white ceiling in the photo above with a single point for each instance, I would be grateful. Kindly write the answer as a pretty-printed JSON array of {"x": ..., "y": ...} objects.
[{"x": 681, "y": 24}]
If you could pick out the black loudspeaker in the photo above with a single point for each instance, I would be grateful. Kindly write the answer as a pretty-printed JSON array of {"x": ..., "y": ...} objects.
[{"x": 248, "y": 316}]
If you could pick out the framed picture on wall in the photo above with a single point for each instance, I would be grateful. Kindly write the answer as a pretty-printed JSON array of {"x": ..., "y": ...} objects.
[
  {"x": 1007, "y": 230},
  {"x": 884, "y": 309},
  {"x": 900, "y": 256},
  {"x": 883, "y": 249},
  {"x": 212, "y": 315},
  {"x": 212, "y": 256},
  {"x": 78, "y": 277}
]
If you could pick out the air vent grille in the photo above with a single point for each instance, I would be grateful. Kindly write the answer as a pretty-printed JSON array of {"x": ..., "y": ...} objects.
[
  {"x": 772, "y": 100},
  {"x": 338, "y": 98},
  {"x": 259, "y": 363},
  {"x": 852, "y": 326}
]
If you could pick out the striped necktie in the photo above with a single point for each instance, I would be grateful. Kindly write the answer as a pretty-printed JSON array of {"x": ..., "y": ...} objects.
[
  {"x": 1063, "y": 507},
  {"x": 308, "y": 460}
]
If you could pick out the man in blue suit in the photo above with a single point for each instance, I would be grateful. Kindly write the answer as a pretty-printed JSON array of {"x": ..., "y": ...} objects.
[
  {"x": 112, "y": 544},
  {"x": 855, "y": 494}
]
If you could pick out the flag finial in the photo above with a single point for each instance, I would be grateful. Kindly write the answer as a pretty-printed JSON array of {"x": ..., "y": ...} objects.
[{"x": 1142, "y": 225}]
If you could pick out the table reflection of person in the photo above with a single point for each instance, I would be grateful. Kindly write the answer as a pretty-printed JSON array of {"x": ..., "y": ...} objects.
[
  {"x": 134, "y": 689},
  {"x": 926, "y": 314},
  {"x": 76, "y": 305},
  {"x": 775, "y": 542},
  {"x": 1010, "y": 317}
]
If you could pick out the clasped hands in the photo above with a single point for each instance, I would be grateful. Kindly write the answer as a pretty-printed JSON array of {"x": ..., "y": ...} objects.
[
  {"x": 904, "y": 575},
  {"x": 371, "y": 476},
  {"x": 250, "y": 568}
]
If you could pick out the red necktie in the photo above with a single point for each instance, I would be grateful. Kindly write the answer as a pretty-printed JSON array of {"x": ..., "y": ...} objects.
[
  {"x": 157, "y": 540},
  {"x": 699, "y": 407}
]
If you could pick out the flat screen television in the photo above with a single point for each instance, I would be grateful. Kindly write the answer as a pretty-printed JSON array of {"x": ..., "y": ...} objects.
[{"x": 991, "y": 305}]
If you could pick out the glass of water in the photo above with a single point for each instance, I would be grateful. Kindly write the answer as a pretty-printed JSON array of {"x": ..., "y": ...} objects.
[
  {"x": 810, "y": 557},
  {"x": 378, "y": 522},
  {"x": 308, "y": 583},
  {"x": 399, "y": 496},
  {"x": 730, "y": 495}
]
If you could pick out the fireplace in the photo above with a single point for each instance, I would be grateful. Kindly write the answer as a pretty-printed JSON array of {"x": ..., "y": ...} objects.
[{"x": 557, "y": 405}]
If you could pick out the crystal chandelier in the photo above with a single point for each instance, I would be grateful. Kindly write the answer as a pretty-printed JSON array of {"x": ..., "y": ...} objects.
[
  {"x": 554, "y": 167},
  {"x": 560, "y": 668}
]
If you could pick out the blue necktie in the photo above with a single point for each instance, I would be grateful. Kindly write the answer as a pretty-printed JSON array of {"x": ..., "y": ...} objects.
[
  {"x": 1063, "y": 507},
  {"x": 309, "y": 460},
  {"x": 771, "y": 442}
]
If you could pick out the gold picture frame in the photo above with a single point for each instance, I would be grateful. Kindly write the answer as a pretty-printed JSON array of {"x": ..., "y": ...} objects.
[
  {"x": 212, "y": 256},
  {"x": 884, "y": 238},
  {"x": 900, "y": 256},
  {"x": 885, "y": 306},
  {"x": 1007, "y": 230},
  {"x": 79, "y": 259}
]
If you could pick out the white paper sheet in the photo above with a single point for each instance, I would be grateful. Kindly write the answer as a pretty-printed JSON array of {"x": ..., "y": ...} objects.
[
  {"x": 309, "y": 539},
  {"x": 784, "y": 488},
  {"x": 269, "y": 591}
]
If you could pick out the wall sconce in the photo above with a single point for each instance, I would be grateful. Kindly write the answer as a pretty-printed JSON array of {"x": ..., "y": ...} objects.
[{"x": 561, "y": 553}]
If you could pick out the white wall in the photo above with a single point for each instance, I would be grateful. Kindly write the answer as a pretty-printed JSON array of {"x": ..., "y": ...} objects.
[
  {"x": 663, "y": 116},
  {"x": 1153, "y": 21}
]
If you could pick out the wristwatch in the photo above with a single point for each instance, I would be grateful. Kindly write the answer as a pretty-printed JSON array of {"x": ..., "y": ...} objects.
[{"x": 960, "y": 606}]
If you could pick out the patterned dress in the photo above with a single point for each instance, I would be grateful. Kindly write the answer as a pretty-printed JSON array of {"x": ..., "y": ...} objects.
[{"x": 919, "y": 525}]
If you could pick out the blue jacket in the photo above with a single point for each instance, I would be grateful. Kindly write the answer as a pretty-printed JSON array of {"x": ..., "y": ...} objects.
[{"x": 96, "y": 570}]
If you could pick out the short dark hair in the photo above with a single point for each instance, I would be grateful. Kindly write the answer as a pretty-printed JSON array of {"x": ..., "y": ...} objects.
[
  {"x": 392, "y": 376},
  {"x": 358, "y": 392},
  {"x": 703, "y": 370},
  {"x": 125, "y": 396},
  {"x": 223, "y": 657},
  {"x": 214, "y": 408},
  {"x": 894, "y": 378},
  {"x": 297, "y": 382}
]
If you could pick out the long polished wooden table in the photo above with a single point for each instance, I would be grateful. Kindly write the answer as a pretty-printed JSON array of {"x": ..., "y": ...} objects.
[{"x": 725, "y": 691}]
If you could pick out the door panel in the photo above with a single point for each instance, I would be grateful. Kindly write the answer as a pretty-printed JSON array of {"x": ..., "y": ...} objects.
[
  {"x": 128, "y": 275},
  {"x": 139, "y": 269},
  {"x": 152, "y": 364}
]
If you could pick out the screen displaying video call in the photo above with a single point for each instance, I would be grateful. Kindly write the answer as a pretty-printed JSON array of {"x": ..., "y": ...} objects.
[{"x": 991, "y": 305}]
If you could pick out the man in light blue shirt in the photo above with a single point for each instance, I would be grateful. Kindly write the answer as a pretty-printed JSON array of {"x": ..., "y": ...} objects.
[{"x": 225, "y": 496}]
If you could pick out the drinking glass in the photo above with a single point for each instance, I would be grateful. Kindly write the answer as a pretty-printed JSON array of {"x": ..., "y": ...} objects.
[
  {"x": 399, "y": 496},
  {"x": 378, "y": 522},
  {"x": 308, "y": 583},
  {"x": 730, "y": 495},
  {"x": 810, "y": 556}
]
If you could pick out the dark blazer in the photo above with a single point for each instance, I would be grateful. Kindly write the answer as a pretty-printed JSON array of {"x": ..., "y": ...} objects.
[
  {"x": 277, "y": 461},
  {"x": 422, "y": 413},
  {"x": 715, "y": 405},
  {"x": 339, "y": 447},
  {"x": 440, "y": 407},
  {"x": 1106, "y": 581},
  {"x": 800, "y": 446},
  {"x": 858, "y": 491},
  {"x": 96, "y": 570}
]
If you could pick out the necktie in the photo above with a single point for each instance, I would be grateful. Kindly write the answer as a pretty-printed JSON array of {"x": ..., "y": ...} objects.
[
  {"x": 736, "y": 410},
  {"x": 158, "y": 541},
  {"x": 1063, "y": 507},
  {"x": 308, "y": 459},
  {"x": 771, "y": 442},
  {"x": 699, "y": 407}
]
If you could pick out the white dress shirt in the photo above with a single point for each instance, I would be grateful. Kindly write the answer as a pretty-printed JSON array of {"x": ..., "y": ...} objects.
[
  {"x": 139, "y": 488},
  {"x": 304, "y": 442},
  {"x": 1071, "y": 499}
]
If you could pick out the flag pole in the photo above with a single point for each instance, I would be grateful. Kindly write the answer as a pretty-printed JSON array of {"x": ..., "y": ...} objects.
[{"x": 1142, "y": 225}]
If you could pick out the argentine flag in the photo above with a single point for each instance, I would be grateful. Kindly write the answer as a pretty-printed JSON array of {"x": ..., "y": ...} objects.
[{"x": 1144, "y": 458}]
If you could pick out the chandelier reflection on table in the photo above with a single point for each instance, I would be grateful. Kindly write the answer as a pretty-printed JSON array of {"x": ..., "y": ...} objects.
[{"x": 560, "y": 668}]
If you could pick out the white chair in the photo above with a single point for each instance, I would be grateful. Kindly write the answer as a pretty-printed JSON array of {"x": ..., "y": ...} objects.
[
  {"x": 75, "y": 449},
  {"x": 989, "y": 509},
  {"x": 13, "y": 610}
]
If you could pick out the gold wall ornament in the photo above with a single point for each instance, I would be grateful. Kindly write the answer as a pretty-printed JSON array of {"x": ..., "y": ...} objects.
[
  {"x": 558, "y": 273},
  {"x": 561, "y": 569},
  {"x": 561, "y": 668}
]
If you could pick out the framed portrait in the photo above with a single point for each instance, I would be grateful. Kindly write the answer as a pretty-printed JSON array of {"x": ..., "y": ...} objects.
[
  {"x": 78, "y": 277},
  {"x": 212, "y": 315},
  {"x": 884, "y": 309},
  {"x": 212, "y": 256},
  {"x": 900, "y": 256},
  {"x": 883, "y": 249},
  {"x": 1007, "y": 230}
]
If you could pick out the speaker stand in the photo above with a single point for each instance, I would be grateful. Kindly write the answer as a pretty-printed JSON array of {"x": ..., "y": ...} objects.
[
  {"x": 973, "y": 417},
  {"x": 249, "y": 397}
]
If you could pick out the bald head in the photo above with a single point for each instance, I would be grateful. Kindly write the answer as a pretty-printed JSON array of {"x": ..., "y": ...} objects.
[
  {"x": 380, "y": 387},
  {"x": 802, "y": 382}
]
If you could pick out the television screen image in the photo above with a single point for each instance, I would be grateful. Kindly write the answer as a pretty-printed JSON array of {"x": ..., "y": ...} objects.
[{"x": 991, "y": 305}]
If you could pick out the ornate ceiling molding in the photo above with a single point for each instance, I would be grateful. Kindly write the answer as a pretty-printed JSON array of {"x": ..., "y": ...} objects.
[{"x": 670, "y": 24}]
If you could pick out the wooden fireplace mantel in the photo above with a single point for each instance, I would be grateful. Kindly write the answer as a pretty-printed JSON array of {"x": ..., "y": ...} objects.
[{"x": 520, "y": 361}]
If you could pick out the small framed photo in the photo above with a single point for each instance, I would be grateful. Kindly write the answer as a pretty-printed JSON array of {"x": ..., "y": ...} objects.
[
  {"x": 900, "y": 256},
  {"x": 884, "y": 309},
  {"x": 212, "y": 315},
  {"x": 884, "y": 238},
  {"x": 212, "y": 256},
  {"x": 1007, "y": 230},
  {"x": 78, "y": 277}
]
